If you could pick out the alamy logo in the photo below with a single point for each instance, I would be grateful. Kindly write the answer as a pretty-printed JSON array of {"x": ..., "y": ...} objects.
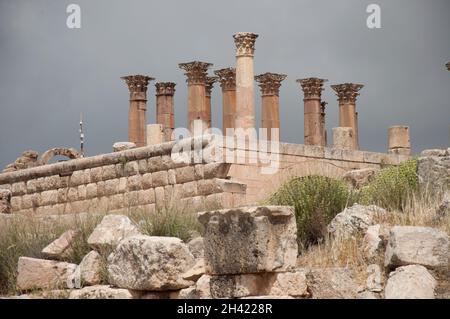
[
  {"x": 74, "y": 19},
  {"x": 374, "y": 19}
]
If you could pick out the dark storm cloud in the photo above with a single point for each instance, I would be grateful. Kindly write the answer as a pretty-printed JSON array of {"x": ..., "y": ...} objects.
[{"x": 49, "y": 74}]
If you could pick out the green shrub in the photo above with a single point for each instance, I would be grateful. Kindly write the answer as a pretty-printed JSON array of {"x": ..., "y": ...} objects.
[
  {"x": 391, "y": 186},
  {"x": 316, "y": 199}
]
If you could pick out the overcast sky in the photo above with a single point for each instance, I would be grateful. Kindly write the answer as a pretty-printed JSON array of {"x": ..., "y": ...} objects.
[{"x": 49, "y": 73}]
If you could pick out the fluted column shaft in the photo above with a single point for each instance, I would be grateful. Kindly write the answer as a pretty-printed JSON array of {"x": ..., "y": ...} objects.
[
  {"x": 314, "y": 119},
  {"x": 245, "y": 95},
  {"x": 210, "y": 80},
  {"x": 347, "y": 94},
  {"x": 227, "y": 79},
  {"x": 196, "y": 73},
  {"x": 270, "y": 113},
  {"x": 137, "y": 117},
  {"x": 165, "y": 108}
]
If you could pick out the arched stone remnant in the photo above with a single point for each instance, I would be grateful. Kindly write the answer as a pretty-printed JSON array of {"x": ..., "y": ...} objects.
[
  {"x": 27, "y": 160},
  {"x": 67, "y": 152}
]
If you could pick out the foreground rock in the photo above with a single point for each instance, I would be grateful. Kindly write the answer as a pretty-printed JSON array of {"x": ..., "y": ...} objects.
[
  {"x": 355, "y": 219},
  {"x": 43, "y": 274},
  {"x": 61, "y": 247},
  {"x": 424, "y": 246},
  {"x": 250, "y": 240},
  {"x": 331, "y": 283},
  {"x": 101, "y": 292},
  {"x": 201, "y": 289},
  {"x": 91, "y": 268},
  {"x": 443, "y": 210},
  {"x": 111, "y": 230},
  {"x": 271, "y": 284},
  {"x": 197, "y": 247},
  {"x": 150, "y": 263},
  {"x": 375, "y": 241},
  {"x": 359, "y": 177},
  {"x": 410, "y": 282}
]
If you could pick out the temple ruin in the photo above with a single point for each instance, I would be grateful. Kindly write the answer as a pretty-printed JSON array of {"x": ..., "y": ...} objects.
[{"x": 147, "y": 177}]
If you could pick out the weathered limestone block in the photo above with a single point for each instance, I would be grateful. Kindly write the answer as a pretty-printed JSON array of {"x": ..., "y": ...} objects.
[
  {"x": 146, "y": 196},
  {"x": 130, "y": 199},
  {"x": 434, "y": 152},
  {"x": 375, "y": 241},
  {"x": 194, "y": 273},
  {"x": 61, "y": 247},
  {"x": 273, "y": 284},
  {"x": 109, "y": 172},
  {"x": 18, "y": 189},
  {"x": 197, "y": 247},
  {"x": 150, "y": 263},
  {"x": 72, "y": 194},
  {"x": 359, "y": 177},
  {"x": 91, "y": 190},
  {"x": 123, "y": 185},
  {"x": 101, "y": 292},
  {"x": 434, "y": 173},
  {"x": 42, "y": 274},
  {"x": 31, "y": 186},
  {"x": 27, "y": 201},
  {"x": 49, "y": 198},
  {"x": 250, "y": 239},
  {"x": 188, "y": 189},
  {"x": 111, "y": 230},
  {"x": 134, "y": 182},
  {"x": 147, "y": 181},
  {"x": 331, "y": 283},
  {"x": 123, "y": 146},
  {"x": 424, "y": 246},
  {"x": 410, "y": 282},
  {"x": 143, "y": 166},
  {"x": 91, "y": 268},
  {"x": 82, "y": 192},
  {"x": 160, "y": 178},
  {"x": 219, "y": 170},
  {"x": 185, "y": 174},
  {"x": 355, "y": 219},
  {"x": 95, "y": 174},
  {"x": 343, "y": 138},
  {"x": 201, "y": 289},
  {"x": 442, "y": 211},
  {"x": 79, "y": 178},
  {"x": 131, "y": 168},
  {"x": 374, "y": 281},
  {"x": 5, "y": 201},
  {"x": 16, "y": 203},
  {"x": 217, "y": 185}
]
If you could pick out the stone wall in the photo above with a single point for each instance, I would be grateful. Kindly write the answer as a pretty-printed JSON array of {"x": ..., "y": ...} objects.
[
  {"x": 136, "y": 179},
  {"x": 147, "y": 178}
]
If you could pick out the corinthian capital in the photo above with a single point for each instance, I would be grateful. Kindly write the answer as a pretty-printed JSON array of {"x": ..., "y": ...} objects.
[
  {"x": 312, "y": 87},
  {"x": 245, "y": 43},
  {"x": 270, "y": 83},
  {"x": 347, "y": 92},
  {"x": 137, "y": 83},
  {"x": 227, "y": 78},
  {"x": 210, "y": 80},
  {"x": 195, "y": 71},
  {"x": 448, "y": 66},
  {"x": 165, "y": 88}
]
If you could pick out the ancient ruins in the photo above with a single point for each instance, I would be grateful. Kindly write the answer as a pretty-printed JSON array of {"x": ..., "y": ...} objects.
[
  {"x": 247, "y": 249},
  {"x": 141, "y": 173}
]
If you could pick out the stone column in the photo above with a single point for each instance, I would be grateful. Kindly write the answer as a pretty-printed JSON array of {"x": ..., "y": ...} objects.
[
  {"x": 323, "y": 122},
  {"x": 227, "y": 79},
  {"x": 137, "y": 117},
  {"x": 347, "y": 94},
  {"x": 270, "y": 88},
  {"x": 398, "y": 140},
  {"x": 313, "y": 122},
  {"x": 196, "y": 73},
  {"x": 210, "y": 80},
  {"x": 343, "y": 138},
  {"x": 165, "y": 108},
  {"x": 245, "y": 96}
]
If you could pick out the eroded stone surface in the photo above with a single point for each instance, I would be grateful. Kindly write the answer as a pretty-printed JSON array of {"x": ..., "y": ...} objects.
[
  {"x": 359, "y": 177},
  {"x": 111, "y": 230},
  {"x": 61, "y": 247},
  {"x": 101, "y": 292},
  {"x": 331, "y": 283},
  {"x": 150, "y": 263},
  {"x": 410, "y": 282},
  {"x": 250, "y": 240},
  {"x": 42, "y": 274},
  {"x": 424, "y": 246},
  {"x": 91, "y": 268},
  {"x": 355, "y": 219}
]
